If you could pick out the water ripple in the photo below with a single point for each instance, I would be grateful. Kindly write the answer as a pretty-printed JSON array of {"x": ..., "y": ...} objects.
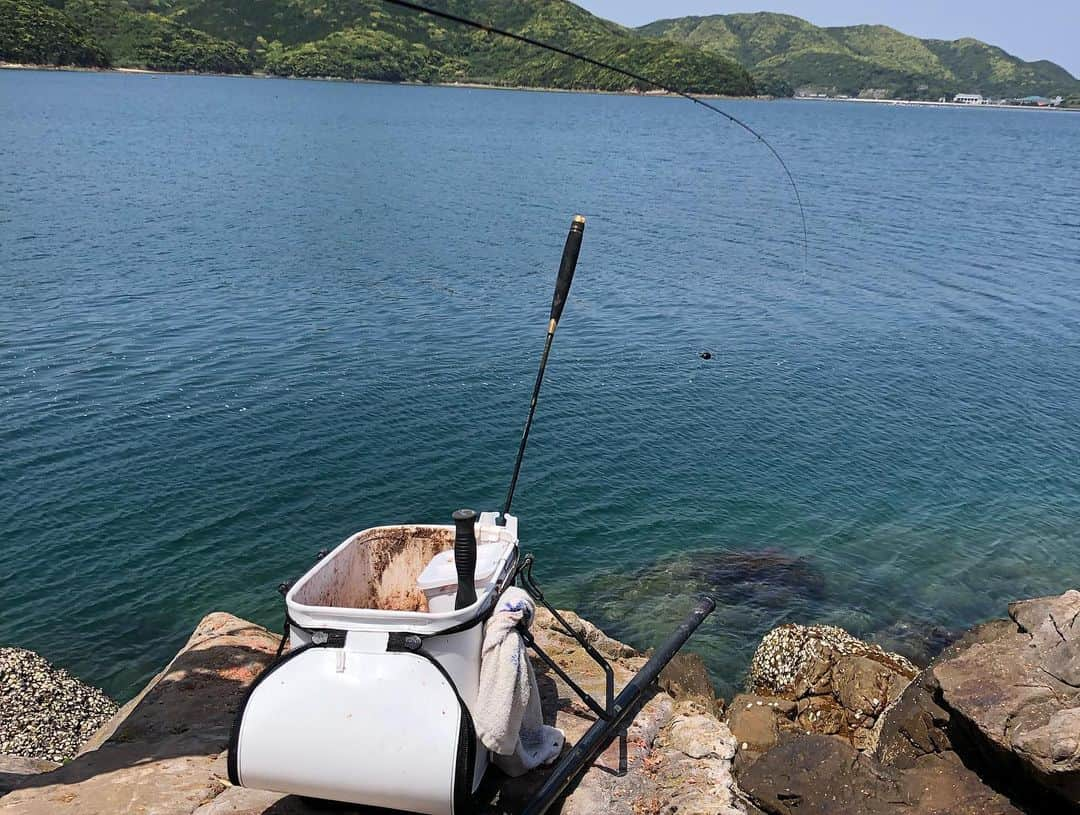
[{"x": 324, "y": 310}]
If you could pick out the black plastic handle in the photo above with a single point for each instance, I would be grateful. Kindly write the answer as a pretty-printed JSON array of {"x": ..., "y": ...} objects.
[
  {"x": 566, "y": 269},
  {"x": 465, "y": 557}
]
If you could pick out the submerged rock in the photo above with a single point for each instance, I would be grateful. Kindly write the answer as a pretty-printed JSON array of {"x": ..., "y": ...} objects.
[
  {"x": 767, "y": 578},
  {"x": 770, "y": 574},
  {"x": 918, "y": 641}
]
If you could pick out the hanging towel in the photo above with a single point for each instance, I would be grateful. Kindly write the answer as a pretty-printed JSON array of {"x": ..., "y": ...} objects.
[{"x": 508, "y": 718}]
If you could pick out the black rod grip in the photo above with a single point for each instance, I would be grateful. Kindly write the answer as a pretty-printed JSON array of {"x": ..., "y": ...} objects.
[
  {"x": 465, "y": 557},
  {"x": 566, "y": 269}
]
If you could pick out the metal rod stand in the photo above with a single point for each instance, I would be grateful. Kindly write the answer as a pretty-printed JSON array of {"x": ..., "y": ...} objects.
[{"x": 618, "y": 711}]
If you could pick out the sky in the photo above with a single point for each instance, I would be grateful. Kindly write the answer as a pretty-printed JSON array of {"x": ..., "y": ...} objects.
[{"x": 1035, "y": 29}]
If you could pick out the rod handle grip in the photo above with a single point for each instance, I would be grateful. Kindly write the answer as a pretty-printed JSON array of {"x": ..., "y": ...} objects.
[
  {"x": 566, "y": 269},
  {"x": 465, "y": 557}
]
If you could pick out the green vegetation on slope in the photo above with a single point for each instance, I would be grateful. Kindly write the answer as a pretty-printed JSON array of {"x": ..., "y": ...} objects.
[
  {"x": 367, "y": 39},
  {"x": 341, "y": 38},
  {"x": 32, "y": 32},
  {"x": 146, "y": 39},
  {"x": 361, "y": 53},
  {"x": 786, "y": 53},
  {"x": 99, "y": 33}
]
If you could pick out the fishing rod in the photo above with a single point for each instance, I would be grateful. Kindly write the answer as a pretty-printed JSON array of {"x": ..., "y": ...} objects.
[
  {"x": 697, "y": 100},
  {"x": 571, "y": 250}
]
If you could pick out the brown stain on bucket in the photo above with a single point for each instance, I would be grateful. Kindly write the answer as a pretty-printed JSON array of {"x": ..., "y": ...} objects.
[{"x": 378, "y": 570}]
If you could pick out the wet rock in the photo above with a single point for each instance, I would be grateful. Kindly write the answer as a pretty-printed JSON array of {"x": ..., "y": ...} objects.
[
  {"x": 942, "y": 785},
  {"x": 1013, "y": 692},
  {"x": 996, "y": 715}
]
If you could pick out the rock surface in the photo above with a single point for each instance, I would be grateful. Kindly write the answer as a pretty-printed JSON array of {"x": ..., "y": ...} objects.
[
  {"x": 916, "y": 726},
  {"x": 1000, "y": 707},
  {"x": 817, "y": 679},
  {"x": 687, "y": 679},
  {"x": 1013, "y": 693},
  {"x": 826, "y": 775},
  {"x": 164, "y": 752},
  {"x": 832, "y": 725},
  {"x": 14, "y": 769},
  {"x": 45, "y": 712}
]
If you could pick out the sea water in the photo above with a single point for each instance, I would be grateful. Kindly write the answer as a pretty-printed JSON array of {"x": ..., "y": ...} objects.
[{"x": 241, "y": 319}]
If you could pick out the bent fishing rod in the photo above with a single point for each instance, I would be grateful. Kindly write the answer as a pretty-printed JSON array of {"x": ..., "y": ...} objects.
[{"x": 697, "y": 100}]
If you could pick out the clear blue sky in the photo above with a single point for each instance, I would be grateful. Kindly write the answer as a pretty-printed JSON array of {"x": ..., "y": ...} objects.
[{"x": 1035, "y": 29}]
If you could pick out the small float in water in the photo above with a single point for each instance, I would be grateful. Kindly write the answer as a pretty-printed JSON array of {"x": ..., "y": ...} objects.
[{"x": 376, "y": 700}]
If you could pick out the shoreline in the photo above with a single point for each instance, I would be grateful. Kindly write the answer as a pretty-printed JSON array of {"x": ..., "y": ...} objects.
[
  {"x": 927, "y": 104},
  {"x": 17, "y": 66},
  {"x": 835, "y": 722}
]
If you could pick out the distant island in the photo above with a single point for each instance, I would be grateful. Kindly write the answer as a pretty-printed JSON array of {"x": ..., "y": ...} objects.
[
  {"x": 734, "y": 55},
  {"x": 787, "y": 55}
]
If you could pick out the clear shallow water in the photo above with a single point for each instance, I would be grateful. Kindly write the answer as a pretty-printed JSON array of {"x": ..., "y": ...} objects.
[{"x": 243, "y": 319}]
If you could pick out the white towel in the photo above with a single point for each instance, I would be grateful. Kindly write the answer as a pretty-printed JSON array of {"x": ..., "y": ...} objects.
[{"x": 508, "y": 717}]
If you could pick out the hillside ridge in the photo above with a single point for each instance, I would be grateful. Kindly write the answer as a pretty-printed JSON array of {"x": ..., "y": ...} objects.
[
  {"x": 786, "y": 54},
  {"x": 361, "y": 39}
]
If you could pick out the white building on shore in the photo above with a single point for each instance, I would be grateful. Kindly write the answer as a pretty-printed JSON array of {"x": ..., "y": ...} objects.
[{"x": 969, "y": 99}]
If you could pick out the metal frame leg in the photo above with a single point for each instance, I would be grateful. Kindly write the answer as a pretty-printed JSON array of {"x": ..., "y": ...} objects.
[{"x": 605, "y": 711}]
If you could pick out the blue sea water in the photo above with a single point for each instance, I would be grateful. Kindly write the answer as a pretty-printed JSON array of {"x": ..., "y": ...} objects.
[{"x": 241, "y": 319}]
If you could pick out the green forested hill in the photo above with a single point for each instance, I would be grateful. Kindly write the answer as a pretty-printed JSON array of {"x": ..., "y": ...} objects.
[
  {"x": 36, "y": 33},
  {"x": 786, "y": 53},
  {"x": 366, "y": 39}
]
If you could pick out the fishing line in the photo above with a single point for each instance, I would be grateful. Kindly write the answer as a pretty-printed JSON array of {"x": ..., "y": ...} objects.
[{"x": 445, "y": 15}]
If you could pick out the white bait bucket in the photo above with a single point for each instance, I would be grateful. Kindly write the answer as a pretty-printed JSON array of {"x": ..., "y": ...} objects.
[{"x": 373, "y": 703}]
